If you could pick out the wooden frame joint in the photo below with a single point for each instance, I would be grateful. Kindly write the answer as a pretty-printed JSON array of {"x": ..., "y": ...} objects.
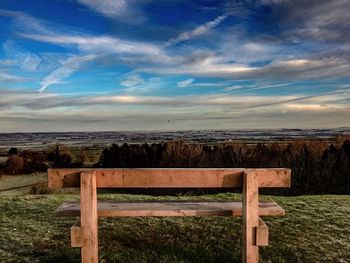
[
  {"x": 262, "y": 234},
  {"x": 76, "y": 235}
]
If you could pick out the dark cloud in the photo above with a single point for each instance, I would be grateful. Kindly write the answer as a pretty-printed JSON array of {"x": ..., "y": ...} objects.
[{"x": 317, "y": 20}]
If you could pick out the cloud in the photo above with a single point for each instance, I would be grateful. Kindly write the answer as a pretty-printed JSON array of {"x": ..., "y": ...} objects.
[
  {"x": 232, "y": 56},
  {"x": 226, "y": 102},
  {"x": 200, "y": 30},
  {"x": 109, "y": 8},
  {"x": 4, "y": 77},
  {"x": 7, "y": 62},
  {"x": 234, "y": 87},
  {"x": 100, "y": 44},
  {"x": 23, "y": 58},
  {"x": 239, "y": 88},
  {"x": 66, "y": 68},
  {"x": 123, "y": 10},
  {"x": 320, "y": 20},
  {"x": 44, "y": 31},
  {"x": 26, "y": 110},
  {"x": 132, "y": 80},
  {"x": 208, "y": 84},
  {"x": 185, "y": 83},
  {"x": 210, "y": 67}
]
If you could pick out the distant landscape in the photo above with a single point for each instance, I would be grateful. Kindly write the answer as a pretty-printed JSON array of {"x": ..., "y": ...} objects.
[
  {"x": 315, "y": 156},
  {"x": 40, "y": 140}
]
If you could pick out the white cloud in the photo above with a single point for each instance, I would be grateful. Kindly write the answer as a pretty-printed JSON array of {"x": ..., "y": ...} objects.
[
  {"x": 7, "y": 62},
  {"x": 25, "y": 110},
  {"x": 234, "y": 87},
  {"x": 24, "y": 59},
  {"x": 211, "y": 67},
  {"x": 185, "y": 83},
  {"x": 4, "y": 77},
  {"x": 66, "y": 68},
  {"x": 132, "y": 80},
  {"x": 109, "y": 8},
  {"x": 99, "y": 43},
  {"x": 200, "y": 30},
  {"x": 129, "y": 51},
  {"x": 208, "y": 84}
]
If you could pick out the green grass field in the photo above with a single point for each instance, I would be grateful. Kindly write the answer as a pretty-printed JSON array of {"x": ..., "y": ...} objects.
[
  {"x": 315, "y": 229},
  {"x": 12, "y": 181}
]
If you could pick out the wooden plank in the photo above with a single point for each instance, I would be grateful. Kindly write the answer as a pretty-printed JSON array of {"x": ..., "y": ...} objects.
[
  {"x": 262, "y": 234},
  {"x": 170, "y": 177},
  {"x": 76, "y": 235},
  {"x": 170, "y": 208},
  {"x": 250, "y": 252},
  {"x": 88, "y": 217}
]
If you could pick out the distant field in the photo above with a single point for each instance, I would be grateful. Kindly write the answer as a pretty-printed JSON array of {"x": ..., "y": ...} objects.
[
  {"x": 315, "y": 229},
  {"x": 13, "y": 181}
]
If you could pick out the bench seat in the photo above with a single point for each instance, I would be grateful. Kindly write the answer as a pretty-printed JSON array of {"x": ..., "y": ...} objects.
[{"x": 169, "y": 208}]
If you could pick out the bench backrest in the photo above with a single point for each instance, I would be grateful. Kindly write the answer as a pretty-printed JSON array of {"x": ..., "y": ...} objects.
[{"x": 170, "y": 177}]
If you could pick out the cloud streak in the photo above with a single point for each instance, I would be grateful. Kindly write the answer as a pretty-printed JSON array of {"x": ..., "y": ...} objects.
[
  {"x": 198, "y": 31},
  {"x": 23, "y": 58},
  {"x": 66, "y": 68}
]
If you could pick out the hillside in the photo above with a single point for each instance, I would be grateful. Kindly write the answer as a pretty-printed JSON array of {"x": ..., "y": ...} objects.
[{"x": 315, "y": 229}]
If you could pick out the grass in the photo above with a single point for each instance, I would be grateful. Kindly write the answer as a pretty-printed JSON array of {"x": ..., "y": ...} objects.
[
  {"x": 11, "y": 181},
  {"x": 315, "y": 229}
]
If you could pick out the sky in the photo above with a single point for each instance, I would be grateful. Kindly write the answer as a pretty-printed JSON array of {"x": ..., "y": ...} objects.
[{"x": 88, "y": 65}]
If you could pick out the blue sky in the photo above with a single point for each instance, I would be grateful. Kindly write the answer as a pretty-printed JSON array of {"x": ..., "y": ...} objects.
[{"x": 86, "y": 65}]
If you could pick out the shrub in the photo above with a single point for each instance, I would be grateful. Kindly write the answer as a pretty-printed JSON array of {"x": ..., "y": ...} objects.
[
  {"x": 33, "y": 161},
  {"x": 14, "y": 165},
  {"x": 40, "y": 189},
  {"x": 60, "y": 155},
  {"x": 13, "y": 151}
]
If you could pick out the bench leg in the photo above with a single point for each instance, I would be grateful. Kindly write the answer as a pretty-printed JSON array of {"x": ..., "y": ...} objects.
[
  {"x": 250, "y": 214},
  {"x": 88, "y": 217}
]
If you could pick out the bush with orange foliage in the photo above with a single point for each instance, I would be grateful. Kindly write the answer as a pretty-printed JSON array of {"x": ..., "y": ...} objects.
[{"x": 14, "y": 165}]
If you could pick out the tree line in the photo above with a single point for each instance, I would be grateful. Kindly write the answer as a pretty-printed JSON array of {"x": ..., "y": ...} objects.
[{"x": 318, "y": 167}]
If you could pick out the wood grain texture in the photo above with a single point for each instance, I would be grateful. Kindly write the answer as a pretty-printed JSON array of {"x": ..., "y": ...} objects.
[
  {"x": 76, "y": 235},
  {"x": 262, "y": 234},
  {"x": 170, "y": 177},
  {"x": 88, "y": 217},
  {"x": 169, "y": 208},
  {"x": 250, "y": 252}
]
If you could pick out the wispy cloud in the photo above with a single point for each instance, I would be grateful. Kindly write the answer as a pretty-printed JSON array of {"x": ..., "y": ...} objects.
[
  {"x": 23, "y": 58},
  {"x": 5, "y": 77},
  {"x": 132, "y": 80},
  {"x": 240, "y": 88},
  {"x": 66, "y": 68},
  {"x": 109, "y": 8},
  {"x": 185, "y": 83},
  {"x": 100, "y": 44},
  {"x": 122, "y": 10},
  {"x": 200, "y": 30},
  {"x": 225, "y": 101},
  {"x": 155, "y": 111}
]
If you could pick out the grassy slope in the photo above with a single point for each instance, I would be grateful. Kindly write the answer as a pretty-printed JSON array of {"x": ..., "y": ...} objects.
[
  {"x": 10, "y": 181},
  {"x": 316, "y": 229}
]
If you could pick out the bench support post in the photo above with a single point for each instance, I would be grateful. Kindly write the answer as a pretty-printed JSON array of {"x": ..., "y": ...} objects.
[
  {"x": 76, "y": 235},
  {"x": 262, "y": 234},
  {"x": 88, "y": 217},
  {"x": 250, "y": 214}
]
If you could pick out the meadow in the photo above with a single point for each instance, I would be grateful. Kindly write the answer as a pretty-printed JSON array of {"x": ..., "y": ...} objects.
[{"x": 315, "y": 229}]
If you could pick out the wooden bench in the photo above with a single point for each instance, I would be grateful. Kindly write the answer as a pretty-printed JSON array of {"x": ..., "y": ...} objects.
[{"x": 84, "y": 234}]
